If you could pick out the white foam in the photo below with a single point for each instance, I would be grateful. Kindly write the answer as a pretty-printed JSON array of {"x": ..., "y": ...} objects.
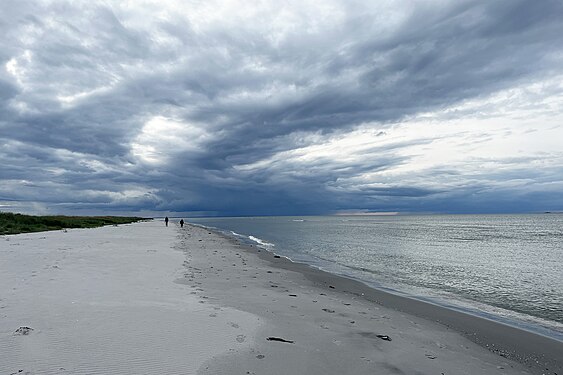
[{"x": 261, "y": 242}]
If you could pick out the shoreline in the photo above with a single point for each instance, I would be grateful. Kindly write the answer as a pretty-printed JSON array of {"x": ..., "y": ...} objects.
[
  {"x": 524, "y": 302},
  {"x": 540, "y": 353},
  {"x": 520, "y": 325},
  {"x": 534, "y": 325},
  {"x": 502, "y": 339},
  {"x": 145, "y": 298}
]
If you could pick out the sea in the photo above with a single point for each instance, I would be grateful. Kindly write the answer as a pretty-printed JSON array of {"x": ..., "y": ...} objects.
[{"x": 508, "y": 268}]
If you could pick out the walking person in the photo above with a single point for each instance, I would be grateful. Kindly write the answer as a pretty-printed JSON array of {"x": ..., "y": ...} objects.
[
  {"x": 181, "y": 223},
  {"x": 166, "y": 220}
]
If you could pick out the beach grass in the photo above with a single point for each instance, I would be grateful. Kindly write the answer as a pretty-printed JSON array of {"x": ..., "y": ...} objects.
[{"x": 11, "y": 223}]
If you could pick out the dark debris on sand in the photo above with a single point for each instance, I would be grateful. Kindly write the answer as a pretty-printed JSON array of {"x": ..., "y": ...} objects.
[{"x": 279, "y": 339}]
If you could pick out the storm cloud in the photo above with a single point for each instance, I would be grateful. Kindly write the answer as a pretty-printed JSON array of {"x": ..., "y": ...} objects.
[{"x": 295, "y": 107}]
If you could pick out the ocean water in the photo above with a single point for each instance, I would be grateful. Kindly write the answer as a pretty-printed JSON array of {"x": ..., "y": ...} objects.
[{"x": 503, "y": 267}]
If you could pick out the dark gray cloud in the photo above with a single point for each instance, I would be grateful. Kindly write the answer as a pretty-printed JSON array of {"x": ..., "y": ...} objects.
[{"x": 303, "y": 107}]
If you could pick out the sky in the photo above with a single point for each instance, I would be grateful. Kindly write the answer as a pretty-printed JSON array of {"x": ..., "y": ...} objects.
[{"x": 281, "y": 107}]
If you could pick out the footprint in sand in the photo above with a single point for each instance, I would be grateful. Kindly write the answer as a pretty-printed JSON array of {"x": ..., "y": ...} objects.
[
  {"x": 233, "y": 324},
  {"x": 241, "y": 338},
  {"x": 23, "y": 331}
]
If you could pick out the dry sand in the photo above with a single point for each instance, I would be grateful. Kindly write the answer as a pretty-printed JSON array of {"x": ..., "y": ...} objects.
[
  {"x": 104, "y": 301},
  {"x": 148, "y": 299}
]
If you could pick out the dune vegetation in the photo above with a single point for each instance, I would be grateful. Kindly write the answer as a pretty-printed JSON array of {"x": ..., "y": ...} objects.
[{"x": 11, "y": 223}]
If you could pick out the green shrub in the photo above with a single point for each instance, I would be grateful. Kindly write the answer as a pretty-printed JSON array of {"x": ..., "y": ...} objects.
[{"x": 11, "y": 223}]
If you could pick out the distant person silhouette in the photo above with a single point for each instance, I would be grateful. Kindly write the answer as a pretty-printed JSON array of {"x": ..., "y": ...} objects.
[
  {"x": 166, "y": 220},
  {"x": 181, "y": 223}
]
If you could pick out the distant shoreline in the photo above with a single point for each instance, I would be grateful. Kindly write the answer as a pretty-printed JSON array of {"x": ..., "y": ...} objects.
[
  {"x": 14, "y": 223},
  {"x": 383, "y": 214}
]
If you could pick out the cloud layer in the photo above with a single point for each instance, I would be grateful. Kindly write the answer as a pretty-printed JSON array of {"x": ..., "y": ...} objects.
[{"x": 281, "y": 108}]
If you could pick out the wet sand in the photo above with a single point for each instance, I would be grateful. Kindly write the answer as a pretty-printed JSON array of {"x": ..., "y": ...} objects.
[
  {"x": 145, "y": 298},
  {"x": 337, "y": 325}
]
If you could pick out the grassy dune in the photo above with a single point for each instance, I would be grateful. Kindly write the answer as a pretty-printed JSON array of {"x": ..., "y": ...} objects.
[{"x": 11, "y": 223}]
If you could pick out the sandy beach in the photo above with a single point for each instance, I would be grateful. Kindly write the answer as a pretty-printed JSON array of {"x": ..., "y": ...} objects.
[{"x": 145, "y": 299}]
